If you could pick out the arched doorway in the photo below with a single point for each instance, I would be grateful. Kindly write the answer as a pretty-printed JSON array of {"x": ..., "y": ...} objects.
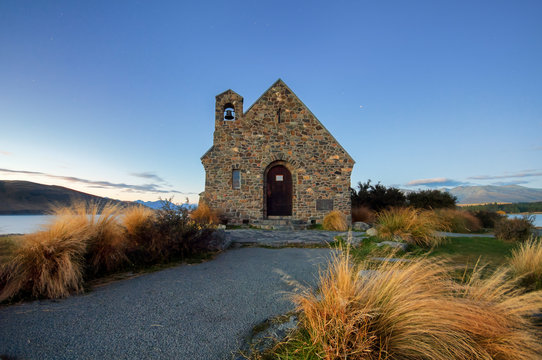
[{"x": 279, "y": 191}]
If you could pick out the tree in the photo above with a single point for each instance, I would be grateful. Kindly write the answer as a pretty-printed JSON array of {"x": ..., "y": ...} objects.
[
  {"x": 376, "y": 197},
  {"x": 431, "y": 199}
]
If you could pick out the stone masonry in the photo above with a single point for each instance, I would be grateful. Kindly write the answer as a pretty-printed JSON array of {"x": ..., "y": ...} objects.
[{"x": 278, "y": 129}]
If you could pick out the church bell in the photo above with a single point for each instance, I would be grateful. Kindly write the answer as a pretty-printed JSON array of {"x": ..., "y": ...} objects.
[{"x": 229, "y": 115}]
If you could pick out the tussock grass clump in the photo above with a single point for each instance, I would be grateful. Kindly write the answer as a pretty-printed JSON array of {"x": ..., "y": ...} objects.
[
  {"x": 106, "y": 243},
  {"x": 526, "y": 263},
  {"x": 415, "y": 226},
  {"x": 335, "y": 221},
  {"x": 204, "y": 215},
  {"x": 458, "y": 221},
  {"x": 519, "y": 229},
  {"x": 136, "y": 219},
  {"x": 48, "y": 263},
  {"x": 412, "y": 310},
  {"x": 363, "y": 213}
]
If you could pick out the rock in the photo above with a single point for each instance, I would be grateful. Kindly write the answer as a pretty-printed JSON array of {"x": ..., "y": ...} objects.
[
  {"x": 221, "y": 227},
  {"x": 270, "y": 332},
  {"x": 394, "y": 244},
  {"x": 218, "y": 240},
  {"x": 359, "y": 225},
  {"x": 372, "y": 232}
]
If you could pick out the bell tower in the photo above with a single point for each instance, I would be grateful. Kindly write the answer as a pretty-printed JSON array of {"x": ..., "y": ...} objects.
[{"x": 228, "y": 109}]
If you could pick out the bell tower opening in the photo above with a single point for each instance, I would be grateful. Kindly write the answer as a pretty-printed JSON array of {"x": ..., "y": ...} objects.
[{"x": 229, "y": 112}]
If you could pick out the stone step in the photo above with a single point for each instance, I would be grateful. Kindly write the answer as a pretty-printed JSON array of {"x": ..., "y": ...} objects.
[{"x": 281, "y": 223}]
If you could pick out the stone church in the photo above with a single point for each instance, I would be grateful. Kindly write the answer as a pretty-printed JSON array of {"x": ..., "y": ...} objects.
[{"x": 274, "y": 161}]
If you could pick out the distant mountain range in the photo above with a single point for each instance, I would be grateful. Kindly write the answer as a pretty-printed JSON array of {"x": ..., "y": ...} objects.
[
  {"x": 158, "y": 204},
  {"x": 26, "y": 198},
  {"x": 493, "y": 193}
]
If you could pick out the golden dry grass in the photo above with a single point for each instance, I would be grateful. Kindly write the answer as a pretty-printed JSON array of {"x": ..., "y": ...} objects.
[
  {"x": 135, "y": 218},
  {"x": 363, "y": 213},
  {"x": 48, "y": 263},
  {"x": 412, "y": 310},
  {"x": 458, "y": 221},
  {"x": 205, "y": 215},
  {"x": 415, "y": 226},
  {"x": 335, "y": 221},
  {"x": 526, "y": 263}
]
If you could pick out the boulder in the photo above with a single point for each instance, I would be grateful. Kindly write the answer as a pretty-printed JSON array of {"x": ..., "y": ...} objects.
[
  {"x": 359, "y": 225},
  {"x": 218, "y": 240},
  {"x": 394, "y": 244},
  {"x": 372, "y": 232}
]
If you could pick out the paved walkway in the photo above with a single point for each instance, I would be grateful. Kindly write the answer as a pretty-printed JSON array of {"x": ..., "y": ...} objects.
[{"x": 201, "y": 311}]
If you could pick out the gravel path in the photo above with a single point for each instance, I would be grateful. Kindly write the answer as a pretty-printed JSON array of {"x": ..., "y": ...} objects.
[{"x": 201, "y": 311}]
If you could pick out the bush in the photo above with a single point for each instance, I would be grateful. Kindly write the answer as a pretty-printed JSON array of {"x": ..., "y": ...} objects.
[
  {"x": 205, "y": 215},
  {"x": 414, "y": 226},
  {"x": 376, "y": 197},
  {"x": 458, "y": 221},
  {"x": 526, "y": 263},
  {"x": 48, "y": 263},
  {"x": 363, "y": 213},
  {"x": 177, "y": 235},
  {"x": 410, "y": 310},
  {"x": 487, "y": 218},
  {"x": 88, "y": 240},
  {"x": 431, "y": 199},
  {"x": 518, "y": 229},
  {"x": 335, "y": 221}
]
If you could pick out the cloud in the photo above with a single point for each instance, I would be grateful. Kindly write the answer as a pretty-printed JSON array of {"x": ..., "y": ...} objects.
[
  {"x": 154, "y": 188},
  {"x": 7, "y": 153},
  {"x": 435, "y": 182},
  {"x": 526, "y": 173},
  {"x": 504, "y": 183},
  {"x": 148, "y": 175}
]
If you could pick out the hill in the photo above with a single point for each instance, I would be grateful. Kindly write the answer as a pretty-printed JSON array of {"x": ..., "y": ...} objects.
[
  {"x": 492, "y": 194},
  {"x": 159, "y": 203},
  {"x": 25, "y": 197}
]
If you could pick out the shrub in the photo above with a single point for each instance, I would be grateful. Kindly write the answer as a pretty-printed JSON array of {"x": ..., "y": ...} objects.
[
  {"x": 458, "y": 221},
  {"x": 376, "y": 197},
  {"x": 412, "y": 225},
  {"x": 518, "y": 229},
  {"x": 335, "y": 221},
  {"x": 177, "y": 235},
  {"x": 411, "y": 310},
  {"x": 363, "y": 213},
  {"x": 48, "y": 263},
  {"x": 526, "y": 263},
  {"x": 204, "y": 215},
  {"x": 487, "y": 218},
  {"x": 431, "y": 199}
]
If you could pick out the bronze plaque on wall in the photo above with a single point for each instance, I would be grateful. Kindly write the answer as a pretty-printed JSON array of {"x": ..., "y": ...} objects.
[{"x": 324, "y": 204}]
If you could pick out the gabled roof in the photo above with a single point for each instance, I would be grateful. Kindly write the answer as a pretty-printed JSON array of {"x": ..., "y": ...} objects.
[
  {"x": 280, "y": 82},
  {"x": 228, "y": 91}
]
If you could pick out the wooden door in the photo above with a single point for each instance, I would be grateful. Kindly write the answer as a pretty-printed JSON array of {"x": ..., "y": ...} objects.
[{"x": 279, "y": 191}]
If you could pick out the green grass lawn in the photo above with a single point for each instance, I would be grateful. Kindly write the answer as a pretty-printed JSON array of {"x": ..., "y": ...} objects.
[{"x": 467, "y": 250}]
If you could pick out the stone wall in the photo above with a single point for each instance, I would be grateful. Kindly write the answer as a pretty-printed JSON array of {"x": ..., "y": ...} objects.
[{"x": 278, "y": 127}]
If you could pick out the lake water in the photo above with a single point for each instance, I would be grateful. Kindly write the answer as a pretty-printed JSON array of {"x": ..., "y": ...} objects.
[
  {"x": 537, "y": 218},
  {"x": 24, "y": 224}
]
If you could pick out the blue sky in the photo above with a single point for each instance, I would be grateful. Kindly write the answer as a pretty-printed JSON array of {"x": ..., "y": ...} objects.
[{"x": 116, "y": 98}]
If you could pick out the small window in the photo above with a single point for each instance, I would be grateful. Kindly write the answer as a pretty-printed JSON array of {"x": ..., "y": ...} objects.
[{"x": 236, "y": 179}]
